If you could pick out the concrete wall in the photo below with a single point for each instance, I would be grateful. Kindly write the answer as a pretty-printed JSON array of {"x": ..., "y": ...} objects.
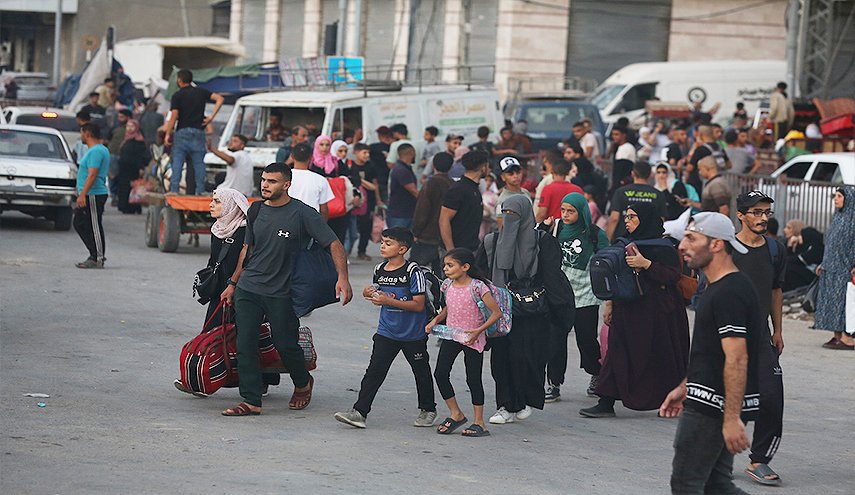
[{"x": 748, "y": 33}]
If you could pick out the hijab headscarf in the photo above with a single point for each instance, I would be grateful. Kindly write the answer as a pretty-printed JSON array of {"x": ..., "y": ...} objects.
[
  {"x": 650, "y": 223},
  {"x": 517, "y": 242},
  {"x": 578, "y": 233},
  {"x": 840, "y": 236},
  {"x": 235, "y": 206},
  {"x": 136, "y": 135},
  {"x": 336, "y": 145},
  {"x": 796, "y": 226},
  {"x": 669, "y": 181},
  {"x": 328, "y": 162},
  {"x": 650, "y": 226}
]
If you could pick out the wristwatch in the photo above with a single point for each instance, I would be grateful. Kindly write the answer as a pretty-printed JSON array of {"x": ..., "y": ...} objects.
[{"x": 232, "y": 282}]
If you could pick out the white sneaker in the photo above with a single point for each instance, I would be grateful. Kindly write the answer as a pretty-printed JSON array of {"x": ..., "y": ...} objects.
[
  {"x": 502, "y": 416},
  {"x": 524, "y": 414}
]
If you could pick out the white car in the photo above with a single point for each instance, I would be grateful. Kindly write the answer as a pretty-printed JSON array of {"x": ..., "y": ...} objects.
[
  {"x": 837, "y": 168},
  {"x": 37, "y": 174},
  {"x": 56, "y": 118}
]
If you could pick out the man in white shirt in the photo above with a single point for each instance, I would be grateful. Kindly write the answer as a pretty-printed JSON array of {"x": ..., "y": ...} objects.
[
  {"x": 624, "y": 149},
  {"x": 307, "y": 186},
  {"x": 238, "y": 165},
  {"x": 587, "y": 141}
]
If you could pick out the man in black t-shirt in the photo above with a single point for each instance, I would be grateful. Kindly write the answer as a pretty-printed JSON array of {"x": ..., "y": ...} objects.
[
  {"x": 378, "y": 153},
  {"x": 187, "y": 108},
  {"x": 261, "y": 287},
  {"x": 463, "y": 207},
  {"x": 706, "y": 146},
  {"x": 640, "y": 191},
  {"x": 765, "y": 264},
  {"x": 720, "y": 390}
]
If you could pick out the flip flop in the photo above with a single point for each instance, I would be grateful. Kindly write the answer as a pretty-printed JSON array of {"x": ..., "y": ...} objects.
[
  {"x": 760, "y": 473},
  {"x": 241, "y": 409},
  {"x": 476, "y": 431},
  {"x": 450, "y": 425},
  {"x": 301, "y": 400}
]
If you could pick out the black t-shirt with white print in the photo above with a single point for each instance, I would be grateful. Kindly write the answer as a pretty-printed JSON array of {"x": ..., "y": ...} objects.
[{"x": 728, "y": 308}]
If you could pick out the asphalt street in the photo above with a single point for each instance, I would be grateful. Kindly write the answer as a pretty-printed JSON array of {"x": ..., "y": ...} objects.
[{"x": 104, "y": 345}]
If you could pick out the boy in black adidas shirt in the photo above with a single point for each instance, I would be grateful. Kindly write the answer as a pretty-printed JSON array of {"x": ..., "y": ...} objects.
[{"x": 720, "y": 391}]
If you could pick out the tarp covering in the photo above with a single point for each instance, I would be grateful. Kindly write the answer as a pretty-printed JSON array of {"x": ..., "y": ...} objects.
[{"x": 229, "y": 80}]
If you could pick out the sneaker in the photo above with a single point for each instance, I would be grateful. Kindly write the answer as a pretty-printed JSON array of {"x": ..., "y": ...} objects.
[
  {"x": 352, "y": 418},
  {"x": 553, "y": 394},
  {"x": 598, "y": 411},
  {"x": 363, "y": 257},
  {"x": 523, "y": 414},
  {"x": 502, "y": 416},
  {"x": 90, "y": 263},
  {"x": 266, "y": 391},
  {"x": 425, "y": 419},
  {"x": 592, "y": 386}
]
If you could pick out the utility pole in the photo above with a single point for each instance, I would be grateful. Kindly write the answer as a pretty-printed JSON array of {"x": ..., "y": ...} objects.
[
  {"x": 339, "y": 35},
  {"x": 793, "y": 31},
  {"x": 357, "y": 28},
  {"x": 57, "y": 32}
]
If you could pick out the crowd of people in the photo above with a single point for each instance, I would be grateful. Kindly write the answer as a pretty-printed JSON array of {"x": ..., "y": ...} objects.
[{"x": 474, "y": 215}]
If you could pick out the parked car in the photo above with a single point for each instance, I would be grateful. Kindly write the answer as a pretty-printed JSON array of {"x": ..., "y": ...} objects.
[
  {"x": 837, "y": 168},
  {"x": 30, "y": 85},
  {"x": 55, "y": 118},
  {"x": 550, "y": 122},
  {"x": 37, "y": 174}
]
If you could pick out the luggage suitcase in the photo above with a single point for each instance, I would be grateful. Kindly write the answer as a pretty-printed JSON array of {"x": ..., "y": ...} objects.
[{"x": 204, "y": 368}]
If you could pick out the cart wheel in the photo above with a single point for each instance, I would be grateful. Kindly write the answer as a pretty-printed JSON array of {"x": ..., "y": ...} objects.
[
  {"x": 169, "y": 230},
  {"x": 152, "y": 225}
]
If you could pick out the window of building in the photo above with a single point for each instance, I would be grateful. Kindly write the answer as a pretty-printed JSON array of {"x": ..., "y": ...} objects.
[{"x": 221, "y": 18}]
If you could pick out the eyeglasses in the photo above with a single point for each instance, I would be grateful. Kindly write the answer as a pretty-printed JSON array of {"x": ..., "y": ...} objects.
[
  {"x": 760, "y": 213},
  {"x": 630, "y": 216}
]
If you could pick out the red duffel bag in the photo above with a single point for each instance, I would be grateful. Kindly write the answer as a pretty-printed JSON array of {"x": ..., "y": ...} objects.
[{"x": 205, "y": 368}]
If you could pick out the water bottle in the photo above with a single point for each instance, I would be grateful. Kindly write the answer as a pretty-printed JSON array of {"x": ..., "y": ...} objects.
[{"x": 448, "y": 333}]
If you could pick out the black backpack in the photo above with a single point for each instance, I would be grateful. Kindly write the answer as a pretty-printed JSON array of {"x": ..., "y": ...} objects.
[
  {"x": 434, "y": 300},
  {"x": 611, "y": 278}
]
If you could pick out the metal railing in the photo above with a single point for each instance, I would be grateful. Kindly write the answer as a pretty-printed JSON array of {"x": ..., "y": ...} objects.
[
  {"x": 809, "y": 201},
  {"x": 310, "y": 75}
]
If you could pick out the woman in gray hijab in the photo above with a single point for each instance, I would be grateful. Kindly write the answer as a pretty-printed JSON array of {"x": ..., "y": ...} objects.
[{"x": 518, "y": 361}]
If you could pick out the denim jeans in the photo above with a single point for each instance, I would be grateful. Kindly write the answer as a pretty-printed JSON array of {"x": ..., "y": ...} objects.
[
  {"x": 188, "y": 141},
  {"x": 352, "y": 234},
  {"x": 399, "y": 222},
  {"x": 702, "y": 463}
]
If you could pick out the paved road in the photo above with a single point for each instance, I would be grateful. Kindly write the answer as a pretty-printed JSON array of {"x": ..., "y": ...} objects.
[{"x": 104, "y": 345}]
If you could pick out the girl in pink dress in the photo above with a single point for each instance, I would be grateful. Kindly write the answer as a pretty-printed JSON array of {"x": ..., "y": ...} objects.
[{"x": 463, "y": 289}]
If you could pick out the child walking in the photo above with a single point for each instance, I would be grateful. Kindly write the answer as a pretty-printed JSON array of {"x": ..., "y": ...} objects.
[
  {"x": 399, "y": 289},
  {"x": 463, "y": 285}
]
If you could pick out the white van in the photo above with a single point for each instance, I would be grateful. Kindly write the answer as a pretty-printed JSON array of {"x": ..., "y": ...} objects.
[
  {"x": 727, "y": 82},
  {"x": 452, "y": 109}
]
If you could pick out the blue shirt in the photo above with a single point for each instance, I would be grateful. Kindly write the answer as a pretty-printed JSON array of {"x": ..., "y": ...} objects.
[
  {"x": 402, "y": 284},
  {"x": 96, "y": 157}
]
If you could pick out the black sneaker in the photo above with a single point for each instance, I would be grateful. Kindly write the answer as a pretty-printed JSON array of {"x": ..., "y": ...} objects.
[
  {"x": 598, "y": 411},
  {"x": 553, "y": 394},
  {"x": 592, "y": 386}
]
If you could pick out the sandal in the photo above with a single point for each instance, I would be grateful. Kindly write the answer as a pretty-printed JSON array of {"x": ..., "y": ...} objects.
[
  {"x": 450, "y": 425},
  {"x": 761, "y": 474},
  {"x": 475, "y": 430},
  {"x": 301, "y": 400},
  {"x": 242, "y": 409},
  {"x": 831, "y": 344}
]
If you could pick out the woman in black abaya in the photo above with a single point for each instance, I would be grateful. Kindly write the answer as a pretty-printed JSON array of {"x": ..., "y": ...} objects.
[{"x": 648, "y": 337}]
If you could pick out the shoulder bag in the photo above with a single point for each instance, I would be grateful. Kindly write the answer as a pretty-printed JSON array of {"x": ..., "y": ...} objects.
[{"x": 206, "y": 282}]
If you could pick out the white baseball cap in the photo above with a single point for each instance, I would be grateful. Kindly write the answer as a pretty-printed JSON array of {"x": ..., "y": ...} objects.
[
  {"x": 508, "y": 163},
  {"x": 716, "y": 226}
]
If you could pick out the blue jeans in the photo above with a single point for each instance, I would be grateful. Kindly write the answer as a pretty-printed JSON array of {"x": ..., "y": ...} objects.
[
  {"x": 399, "y": 222},
  {"x": 351, "y": 236},
  {"x": 188, "y": 141}
]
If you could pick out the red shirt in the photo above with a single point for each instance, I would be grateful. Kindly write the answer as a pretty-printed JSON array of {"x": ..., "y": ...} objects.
[{"x": 552, "y": 195}]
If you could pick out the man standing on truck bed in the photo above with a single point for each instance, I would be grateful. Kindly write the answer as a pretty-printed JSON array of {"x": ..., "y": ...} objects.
[{"x": 188, "y": 109}]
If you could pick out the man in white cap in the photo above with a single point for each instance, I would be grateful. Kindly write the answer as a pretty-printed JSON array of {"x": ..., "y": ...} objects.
[
  {"x": 720, "y": 390},
  {"x": 511, "y": 173}
]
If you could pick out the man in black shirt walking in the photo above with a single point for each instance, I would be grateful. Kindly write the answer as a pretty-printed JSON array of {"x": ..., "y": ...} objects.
[
  {"x": 463, "y": 207},
  {"x": 188, "y": 109},
  {"x": 283, "y": 226},
  {"x": 764, "y": 264},
  {"x": 720, "y": 390}
]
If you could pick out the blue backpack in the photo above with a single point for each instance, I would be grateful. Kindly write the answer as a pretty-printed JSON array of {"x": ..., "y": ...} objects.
[{"x": 611, "y": 278}]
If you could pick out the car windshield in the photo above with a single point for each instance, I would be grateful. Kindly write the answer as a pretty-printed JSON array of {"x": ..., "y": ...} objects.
[
  {"x": 254, "y": 122},
  {"x": 552, "y": 118},
  {"x": 32, "y": 81},
  {"x": 27, "y": 144},
  {"x": 605, "y": 94},
  {"x": 60, "y": 123}
]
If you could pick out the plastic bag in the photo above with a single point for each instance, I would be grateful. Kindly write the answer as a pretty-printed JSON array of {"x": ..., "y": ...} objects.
[
  {"x": 809, "y": 301},
  {"x": 604, "y": 342},
  {"x": 850, "y": 307},
  {"x": 378, "y": 226}
]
